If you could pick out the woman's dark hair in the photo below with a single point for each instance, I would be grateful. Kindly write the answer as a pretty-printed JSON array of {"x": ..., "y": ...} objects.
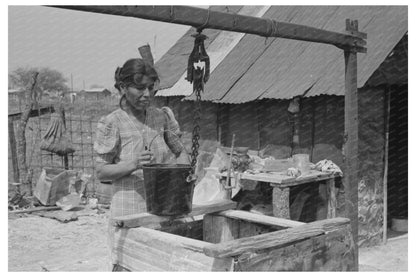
[{"x": 132, "y": 73}]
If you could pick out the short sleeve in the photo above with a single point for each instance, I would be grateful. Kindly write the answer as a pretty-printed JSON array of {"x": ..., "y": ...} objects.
[
  {"x": 172, "y": 132},
  {"x": 107, "y": 141}
]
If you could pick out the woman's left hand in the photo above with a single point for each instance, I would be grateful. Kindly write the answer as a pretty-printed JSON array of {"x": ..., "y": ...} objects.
[{"x": 183, "y": 158}]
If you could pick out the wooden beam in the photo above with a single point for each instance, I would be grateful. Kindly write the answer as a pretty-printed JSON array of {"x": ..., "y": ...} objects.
[
  {"x": 280, "y": 179},
  {"x": 328, "y": 252},
  {"x": 351, "y": 139},
  {"x": 262, "y": 219},
  {"x": 274, "y": 239},
  {"x": 154, "y": 221},
  {"x": 36, "y": 209},
  {"x": 209, "y": 19},
  {"x": 33, "y": 113}
]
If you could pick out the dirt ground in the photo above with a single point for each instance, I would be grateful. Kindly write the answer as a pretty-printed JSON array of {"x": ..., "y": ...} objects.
[
  {"x": 44, "y": 244},
  {"x": 392, "y": 256}
]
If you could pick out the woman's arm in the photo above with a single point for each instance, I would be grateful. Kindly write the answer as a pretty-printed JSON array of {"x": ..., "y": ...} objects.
[
  {"x": 172, "y": 136},
  {"x": 107, "y": 171},
  {"x": 110, "y": 172}
]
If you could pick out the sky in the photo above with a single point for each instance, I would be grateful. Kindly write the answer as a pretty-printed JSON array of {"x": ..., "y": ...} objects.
[{"x": 87, "y": 45}]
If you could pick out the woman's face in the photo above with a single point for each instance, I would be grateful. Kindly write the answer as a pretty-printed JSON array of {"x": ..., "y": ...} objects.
[{"x": 140, "y": 95}]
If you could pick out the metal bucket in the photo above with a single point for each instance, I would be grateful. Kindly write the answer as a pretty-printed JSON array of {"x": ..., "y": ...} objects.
[{"x": 166, "y": 190}]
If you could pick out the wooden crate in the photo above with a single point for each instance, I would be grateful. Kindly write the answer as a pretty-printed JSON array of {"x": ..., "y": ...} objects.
[{"x": 231, "y": 240}]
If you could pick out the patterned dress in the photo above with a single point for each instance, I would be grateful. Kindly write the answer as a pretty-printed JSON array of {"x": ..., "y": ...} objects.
[{"x": 120, "y": 138}]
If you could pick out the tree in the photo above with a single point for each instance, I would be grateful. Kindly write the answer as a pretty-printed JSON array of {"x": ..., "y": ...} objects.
[{"x": 48, "y": 79}]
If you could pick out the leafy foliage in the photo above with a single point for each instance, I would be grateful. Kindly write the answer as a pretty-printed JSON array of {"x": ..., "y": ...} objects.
[{"x": 48, "y": 79}]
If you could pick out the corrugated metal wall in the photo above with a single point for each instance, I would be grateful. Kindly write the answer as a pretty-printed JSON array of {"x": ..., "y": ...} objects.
[{"x": 260, "y": 123}]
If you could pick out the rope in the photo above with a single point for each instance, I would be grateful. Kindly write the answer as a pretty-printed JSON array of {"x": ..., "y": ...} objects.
[
  {"x": 272, "y": 27},
  {"x": 200, "y": 28}
]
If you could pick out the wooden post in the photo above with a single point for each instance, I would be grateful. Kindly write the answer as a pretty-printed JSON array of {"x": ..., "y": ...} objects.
[
  {"x": 13, "y": 150},
  {"x": 281, "y": 202},
  {"x": 25, "y": 172},
  {"x": 386, "y": 157},
  {"x": 219, "y": 228},
  {"x": 351, "y": 138},
  {"x": 65, "y": 156},
  {"x": 332, "y": 199}
]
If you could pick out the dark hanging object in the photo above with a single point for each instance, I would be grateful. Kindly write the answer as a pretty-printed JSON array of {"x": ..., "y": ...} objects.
[
  {"x": 56, "y": 139},
  {"x": 198, "y": 64},
  {"x": 198, "y": 75}
]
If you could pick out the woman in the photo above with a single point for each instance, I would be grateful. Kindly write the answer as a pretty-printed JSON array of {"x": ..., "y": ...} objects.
[{"x": 135, "y": 134}]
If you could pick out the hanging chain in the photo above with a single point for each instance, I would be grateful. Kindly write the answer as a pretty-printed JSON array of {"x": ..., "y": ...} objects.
[
  {"x": 195, "y": 131},
  {"x": 197, "y": 74}
]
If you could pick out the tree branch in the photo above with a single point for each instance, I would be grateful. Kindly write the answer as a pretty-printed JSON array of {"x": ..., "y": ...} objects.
[{"x": 26, "y": 172}]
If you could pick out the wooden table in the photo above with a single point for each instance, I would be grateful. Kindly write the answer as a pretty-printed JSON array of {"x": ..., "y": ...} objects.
[{"x": 282, "y": 183}]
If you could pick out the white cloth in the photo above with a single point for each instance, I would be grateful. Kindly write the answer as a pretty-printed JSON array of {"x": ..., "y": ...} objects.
[{"x": 328, "y": 166}]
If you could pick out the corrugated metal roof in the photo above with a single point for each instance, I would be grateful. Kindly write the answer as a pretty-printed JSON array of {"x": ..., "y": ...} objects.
[
  {"x": 394, "y": 69},
  {"x": 277, "y": 68},
  {"x": 94, "y": 90},
  {"x": 217, "y": 51}
]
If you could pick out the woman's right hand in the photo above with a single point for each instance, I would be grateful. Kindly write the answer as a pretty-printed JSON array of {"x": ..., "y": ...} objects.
[
  {"x": 144, "y": 157},
  {"x": 107, "y": 171}
]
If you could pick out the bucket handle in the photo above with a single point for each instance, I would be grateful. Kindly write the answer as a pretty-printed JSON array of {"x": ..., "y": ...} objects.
[{"x": 191, "y": 177}]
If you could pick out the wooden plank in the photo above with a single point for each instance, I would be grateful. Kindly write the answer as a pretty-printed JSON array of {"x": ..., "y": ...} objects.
[
  {"x": 351, "y": 138},
  {"x": 327, "y": 252},
  {"x": 208, "y": 234},
  {"x": 135, "y": 260},
  {"x": 269, "y": 177},
  {"x": 249, "y": 229},
  {"x": 36, "y": 209},
  {"x": 262, "y": 219},
  {"x": 61, "y": 216},
  {"x": 203, "y": 18},
  {"x": 147, "y": 249},
  {"x": 282, "y": 180},
  {"x": 158, "y": 239},
  {"x": 219, "y": 229},
  {"x": 274, "y": 239},
  {"x": 150, "y": 256},
  {"x": 13, "y": 150},
  {"x": 154, "y": 221},
  {"x": 313, "y": 176},
  {"x": 33, "y": 113},
  {"x": 280, "y": 202},
  {"x": 193, "y": 230}
]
